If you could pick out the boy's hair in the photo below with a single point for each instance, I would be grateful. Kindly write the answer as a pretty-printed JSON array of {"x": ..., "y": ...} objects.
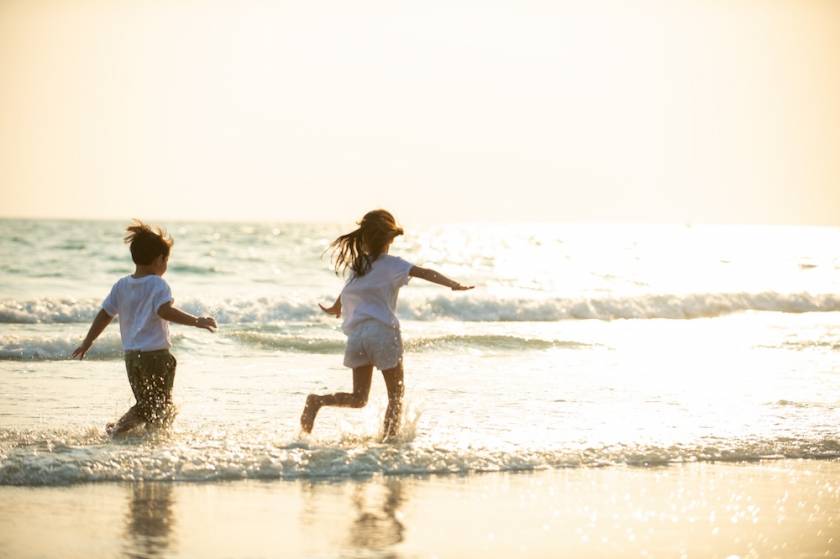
[{"x": 146, "y": 243}]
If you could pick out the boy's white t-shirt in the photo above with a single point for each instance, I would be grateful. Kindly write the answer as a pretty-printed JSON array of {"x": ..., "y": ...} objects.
[
  {"x": 136, "y": 302},
  {"x": 374, "y": 295}
]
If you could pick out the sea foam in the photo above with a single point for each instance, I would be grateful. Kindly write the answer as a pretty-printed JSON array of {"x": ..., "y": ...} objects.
[
  {"x": 466, "y": 308},
  {"x": 63, "y": 457}
]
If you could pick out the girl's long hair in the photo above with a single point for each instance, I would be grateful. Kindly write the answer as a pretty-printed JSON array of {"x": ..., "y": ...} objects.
[{"x": 358, "y": 249}]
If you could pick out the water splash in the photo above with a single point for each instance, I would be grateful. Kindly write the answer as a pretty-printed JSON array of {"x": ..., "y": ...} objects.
[{"x": 59, "y": 457}]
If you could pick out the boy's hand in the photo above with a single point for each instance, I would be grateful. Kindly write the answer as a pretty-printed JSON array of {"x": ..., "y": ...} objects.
[
  {"x": 460, "y": 287},
  {"x": 206, "y": 322},
  {"x": 79, "y": 352},
  {"x": 102, "y": 320},
  {"x": 334, "y": 310}
]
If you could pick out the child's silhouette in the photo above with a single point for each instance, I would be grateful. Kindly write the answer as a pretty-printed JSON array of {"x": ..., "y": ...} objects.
[
  {"x": 368, "y": 303},
  {"x": 143, "y": 302}
]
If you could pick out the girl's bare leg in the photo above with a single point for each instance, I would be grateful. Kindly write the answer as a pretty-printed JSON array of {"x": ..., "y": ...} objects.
[
  {"x": 396, "y": 389},
  {"x": 358, "y": 398}
]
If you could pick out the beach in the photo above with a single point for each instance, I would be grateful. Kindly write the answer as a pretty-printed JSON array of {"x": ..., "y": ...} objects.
[
  {"x": 628, "y": 391},
  {"x": 594, "y": 249},
  {"x": 767, "y": 509}
]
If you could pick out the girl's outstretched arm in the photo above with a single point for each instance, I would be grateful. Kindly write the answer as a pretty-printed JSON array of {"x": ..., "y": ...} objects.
[
  {"x": 335, "y": 309},
  {"x": 438, "y": 278},
  {"x": 99, "y": 324}
]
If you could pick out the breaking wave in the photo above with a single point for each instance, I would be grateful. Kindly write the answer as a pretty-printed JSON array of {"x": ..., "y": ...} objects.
[
  {"x": 466, "y": 308},
  {"x": 54, "y": 348},
  {"x": 108, "y": 346},
  {"x": 57, "y": 348},
  {"x": 331, "y": 346}
]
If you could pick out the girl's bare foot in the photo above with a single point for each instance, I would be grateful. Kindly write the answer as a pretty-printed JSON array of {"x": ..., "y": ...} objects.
[
  {"x": 109, "y": 428},
  {"x": 310, "y": 410}
]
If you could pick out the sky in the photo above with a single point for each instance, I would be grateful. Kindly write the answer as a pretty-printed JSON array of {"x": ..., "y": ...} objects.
[{"x": 603, "y": 111}]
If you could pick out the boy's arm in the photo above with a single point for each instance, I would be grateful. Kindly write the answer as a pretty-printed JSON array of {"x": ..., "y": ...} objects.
[
  {"x": 438, "y": 278},
  {"x": 335, "y": 309},
  {"x": 99, "y": 324},
  {"x": 167, "y": 312}
]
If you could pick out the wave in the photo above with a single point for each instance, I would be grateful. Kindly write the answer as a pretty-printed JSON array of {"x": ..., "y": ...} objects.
[
  {"x": 66, "y": 310},
  {"x": 54, "y": 348},
  {"x": 108, "y": 346},
  {"x": 57, "y": 348},
  {"x": 331, "y": 346},
  {"x": 667, "y": 306},
  {"x": 813, "y": 344},
  {"x": 198, "y": 269},
  {"x": 86, "y": 455},
  {"x": 466, "y": 308},
  {"x": 490, "y": 342},
  {"x": 48, "y": 311},
  {"x": 290, "y": 343},
  {"x": 803, "y": 405}
]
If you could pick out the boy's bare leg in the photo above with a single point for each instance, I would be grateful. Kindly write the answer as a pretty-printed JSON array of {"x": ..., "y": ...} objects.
[
  {"x": 126, "y": 423},
  {"x": 396, "y": 388},
  {"x": 357, "y": 399},
  {"x": 163, "y": 419}
]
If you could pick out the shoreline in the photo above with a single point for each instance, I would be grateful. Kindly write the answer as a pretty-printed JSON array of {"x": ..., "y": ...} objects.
[{"x": 785, "y": 507}]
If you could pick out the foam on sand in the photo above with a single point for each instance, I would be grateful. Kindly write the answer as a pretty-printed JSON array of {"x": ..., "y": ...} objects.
[{"x": 61, "y": 457}]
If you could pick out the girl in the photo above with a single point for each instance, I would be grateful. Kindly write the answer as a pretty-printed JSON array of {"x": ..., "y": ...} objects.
[{"x": 368, "y": 302}]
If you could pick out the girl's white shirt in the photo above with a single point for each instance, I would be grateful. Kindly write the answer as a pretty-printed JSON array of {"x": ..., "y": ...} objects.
[{"x": 374, "y": 295}]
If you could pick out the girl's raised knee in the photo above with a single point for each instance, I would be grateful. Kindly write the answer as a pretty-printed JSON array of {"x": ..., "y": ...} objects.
[{"x": 359, "y": 402}]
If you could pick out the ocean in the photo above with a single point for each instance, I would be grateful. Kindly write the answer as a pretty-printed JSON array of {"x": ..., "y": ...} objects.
[
  {"x": 614, "y": 348},
  {"x": 580, "y": 345}
]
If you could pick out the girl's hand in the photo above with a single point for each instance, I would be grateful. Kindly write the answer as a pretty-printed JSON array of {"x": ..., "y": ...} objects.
[
  {"x": 459, "y": 287},
  {"x": 334, "y": 310}
]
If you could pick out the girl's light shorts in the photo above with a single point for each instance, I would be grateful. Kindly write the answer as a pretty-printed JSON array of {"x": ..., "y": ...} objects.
[{"x": 374, "y": 343}]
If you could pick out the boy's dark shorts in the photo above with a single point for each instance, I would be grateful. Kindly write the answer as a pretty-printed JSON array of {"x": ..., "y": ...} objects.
[{"x": 151, "y": 375}]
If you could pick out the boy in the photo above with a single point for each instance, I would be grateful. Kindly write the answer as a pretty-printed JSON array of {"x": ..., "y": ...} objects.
[{"x": 143, "y": 302}]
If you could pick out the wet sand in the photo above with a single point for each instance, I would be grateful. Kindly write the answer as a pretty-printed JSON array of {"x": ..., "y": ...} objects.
[{"x": 785, "y": 508}]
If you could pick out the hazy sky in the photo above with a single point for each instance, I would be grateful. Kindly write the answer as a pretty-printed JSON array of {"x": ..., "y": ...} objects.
[{"x": 677, "y": 111}]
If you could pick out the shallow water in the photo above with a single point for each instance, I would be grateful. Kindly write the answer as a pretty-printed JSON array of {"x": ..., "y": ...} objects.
[{"x": 580, "y": 346}]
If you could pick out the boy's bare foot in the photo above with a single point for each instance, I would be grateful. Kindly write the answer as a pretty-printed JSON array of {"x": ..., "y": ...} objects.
[
  {"x": 165, "y": 418},
  {"x": 116, "y": 431},
  {"x": 310, "y": 410}
]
